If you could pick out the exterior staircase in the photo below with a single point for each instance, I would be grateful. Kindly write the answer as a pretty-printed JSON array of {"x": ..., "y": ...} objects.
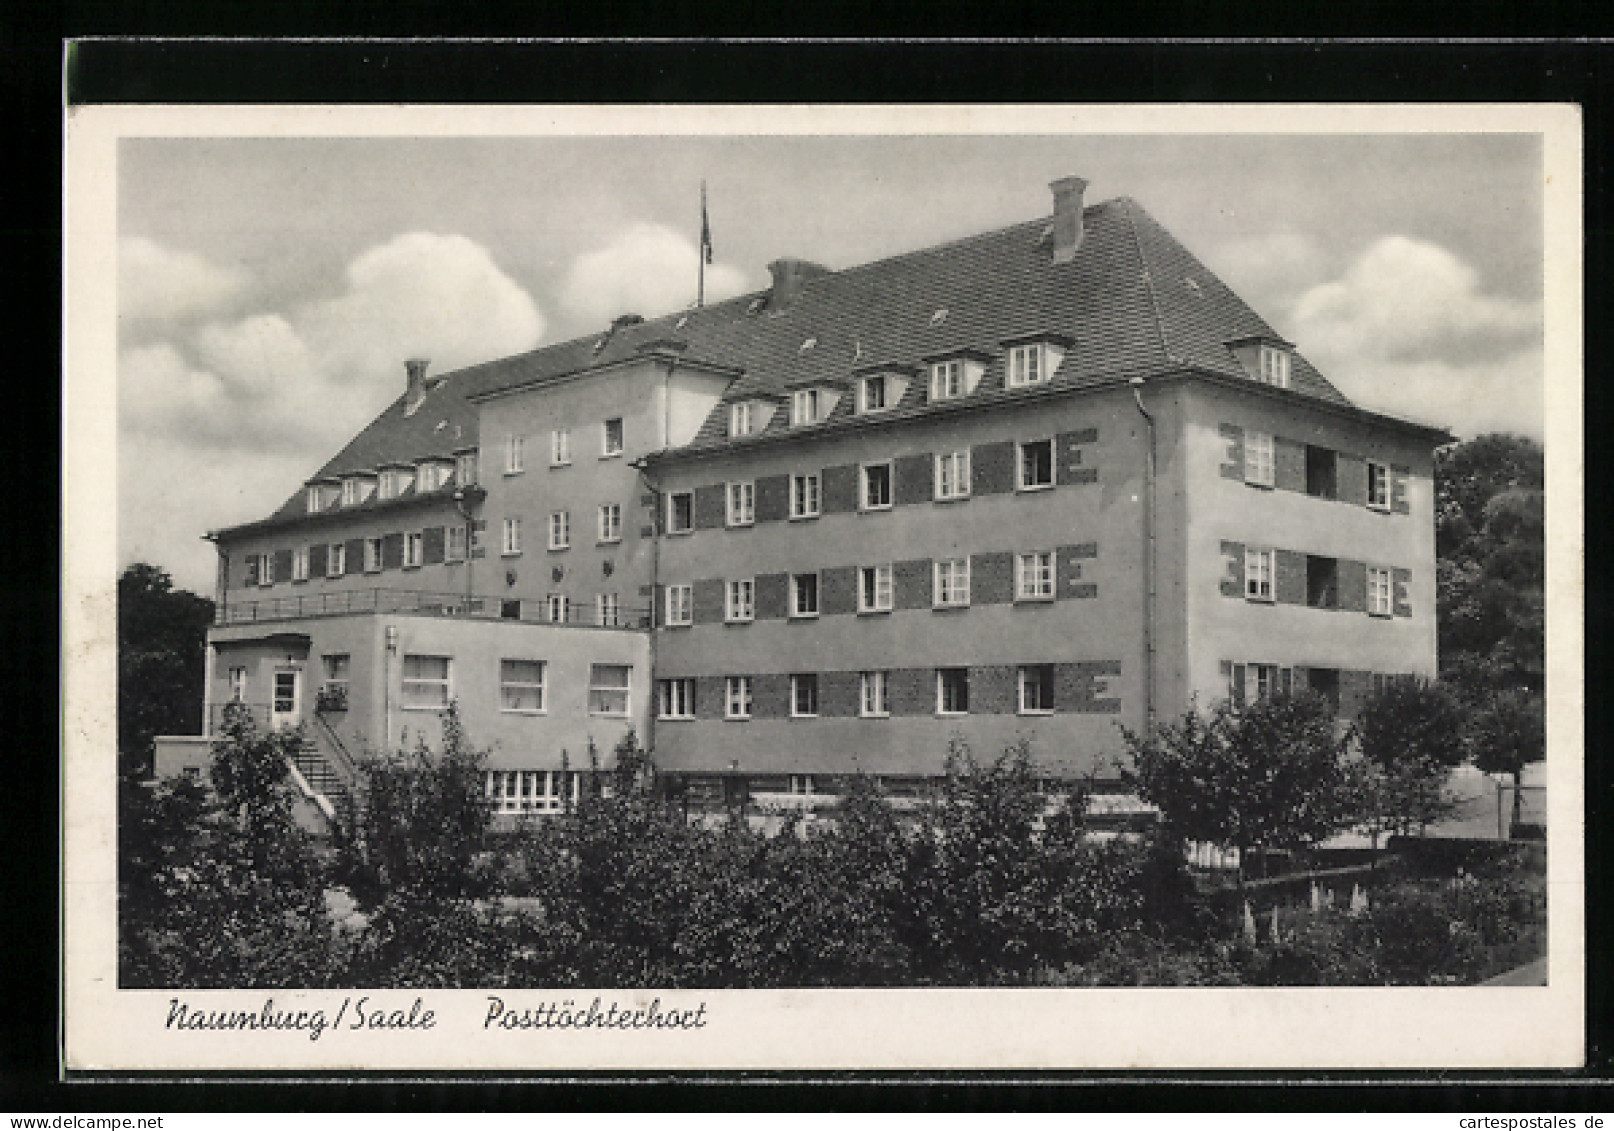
[{"x": 329, "y": 773}]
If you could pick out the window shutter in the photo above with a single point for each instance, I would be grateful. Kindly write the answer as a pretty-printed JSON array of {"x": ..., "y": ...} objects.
[
  {"x": 992, "y": 578},
  {"x": 711, "y": 508},
  {"x": 1289, "y": 586},
  {"x": 282, "y": 565},
  {"x": 1398, "y": 490},
  {"x": 1233, "y": 457},
  {"x": 914, "y": 476},
  {"x": 837, "y": 590},
  {"x": 1233, "y": 575},
  {"x": 1352, "y": 481},
  {"x": 708, "y": 598},
  {"x": 1288, "y": 465},
  {"x": 392, "y": 551},
  {"x": 1401, "y": 592},
  {"x": 1353, "y": 586},
  {"x": 910, "y": 584},
  {"x": 772, "y": 596},
  {"x": 354, "y": 555},
  {"x": 1236, "y": 685},
  {"x": 318, "y": 554},
  {"x": 773, "y": 498},
  {"x": 992, "y": 468},
  {"x": 839, "y": 489},
  {"x": 250, "y": 577},
  {"x": 432, "y": 545}
]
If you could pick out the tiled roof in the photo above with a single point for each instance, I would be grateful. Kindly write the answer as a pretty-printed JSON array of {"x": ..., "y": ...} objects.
[{"x": 1133, "y": 302}]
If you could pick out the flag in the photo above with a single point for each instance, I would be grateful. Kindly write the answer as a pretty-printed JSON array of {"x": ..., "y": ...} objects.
[{"x": 706, "y": 227}]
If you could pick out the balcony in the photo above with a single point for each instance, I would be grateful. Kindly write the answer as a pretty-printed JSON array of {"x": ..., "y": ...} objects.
[{"x": 457, "y": 605}]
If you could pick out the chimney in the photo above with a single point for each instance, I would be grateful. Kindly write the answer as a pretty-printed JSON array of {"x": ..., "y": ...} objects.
[
  {"x": 1067, "y": 217},
  {"x": 788, "y": 276},
  {"x": 416, "y": 386}
]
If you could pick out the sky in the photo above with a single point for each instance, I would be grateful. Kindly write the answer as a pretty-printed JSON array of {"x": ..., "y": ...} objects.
[{"x": 269, "y": 290}]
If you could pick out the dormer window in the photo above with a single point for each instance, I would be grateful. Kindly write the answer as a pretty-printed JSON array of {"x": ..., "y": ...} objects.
[
  {"x": 1034, "y": 362},
  {"x": 947, "y": 380},
  {"x": 1275, "y": 366},
  {"x": 873, "y": 393},
  {"x": 741, "y": 419},
  {"x": 809, "y": 406},
  {"x": 430, "y": 477},
  {"x": 316, "y": 499},
  {"x": 356, "y": 489},
  {"x": 394, "y": 482},
  {"x": 465, "y": 469}
]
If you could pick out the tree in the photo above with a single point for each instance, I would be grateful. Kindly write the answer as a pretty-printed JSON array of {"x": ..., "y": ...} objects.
[
  {"x": 1266, "y": 775},
  {"x": 1507, "y": 734},
  {"x": 162, "y": 633},
  {"x": 1410, "y": 736}
]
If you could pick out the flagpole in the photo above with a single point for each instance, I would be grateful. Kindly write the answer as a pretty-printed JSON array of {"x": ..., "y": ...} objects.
[{"x": 700, "y": 292}]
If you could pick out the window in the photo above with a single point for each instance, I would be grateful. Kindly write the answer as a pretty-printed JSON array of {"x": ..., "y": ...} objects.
[
  {"x": 804, "y": 497},
  {"x": 560, "y": 447},
  {"x": 510, "y": 609},
  {"x": 1252, "y": 682},
  {"x": 1037, "y": 689},
  {"x": 455, "y": 550},
  {"x": 871, "y": 695},
  {"x": 611, "y": 438},
  {"x": 428, "y": 477},
  {"x": 607, "y": 610},
  {"x": 1378, "y": 486},
  {"x": 266, "y": 570},
  {"x": 1258, "y": 571},
  {"x": 804, "y": 594},
  {"x": 875, "y": 487},
  {"x": 316, "y": 500},
  {"x": 465, "y": 469},
  {"x": 741, "y": 600},
  {"x": 952, "y": 691},
  {"x": 531, "y": 791},
  {"x": 414, "y": 549},
  {"x": 1380, "y": 601},
  {"x": 285, "y": 693},
  {"x": 299, "y": 564},
  {"x": 512, "y": 537},
  {"x": 740, "y": 419},
  {"x": 336, "y": 676},
  {"x": 391, "y": 483},
  {"x": 874, "y": 589},
  {"x": 1321, "y": 472},
  {"x": 514, "y": 454},
  {"x": 1275, "y": 366},
  {"x": 351, "y": 493},
  {"x": 372, "y": 555},
  {"x": 474, "y": 536},
  {"x": 953, "y": 582},
  {"x": 676, "y": 697},
  {"x": 1034, "y": 576},
  {"x": 953, "y": 475},
  {"x": 1027, "y": 365},
  {"x": 560, "y": 530},
  {"x": 1036, "y": 465},
  {"x": 742, "y": 503},
  {"x": 873, "y": 393},
  {"x": 737, "y": 697},
  {"x": 680, "y": 512},
  {"x": 1322, "y": 582},
  {"x": 336, "y": 559},
  {"x": 946, "y": 380},
  {"x": 521, "y": 686},
  {"x": 806, "y": 406},
  {"x": 238, "y": 685},
  {"x": 608, "y": 689},
  {"x": 611, "y": 522},
  {"x": 1258, "y": 458},
  {"x": 680, "y": 604},
  {"x": 560, "y": 608},
  {"x": 425, "y": 682},
  {"x": 803, "y": 696}
]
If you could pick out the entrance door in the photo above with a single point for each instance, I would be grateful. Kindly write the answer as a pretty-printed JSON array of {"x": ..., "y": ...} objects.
[{"x": 285, "y": 709}]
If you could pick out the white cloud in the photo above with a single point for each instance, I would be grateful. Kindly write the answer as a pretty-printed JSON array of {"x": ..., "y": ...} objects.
[
  {"x": 649, "y": 269},
  {"x": 156, "y": 282},
  {"x": 1408, "y": 329}
]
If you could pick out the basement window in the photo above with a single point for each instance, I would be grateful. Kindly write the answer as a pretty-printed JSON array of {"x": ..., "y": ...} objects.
[
  {"x": 1322, "y": 476},
  {"x": 1322, "y": 582}
]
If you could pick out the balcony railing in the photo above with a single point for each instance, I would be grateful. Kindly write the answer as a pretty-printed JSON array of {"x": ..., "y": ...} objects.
[{"x": 458, "y": 605}]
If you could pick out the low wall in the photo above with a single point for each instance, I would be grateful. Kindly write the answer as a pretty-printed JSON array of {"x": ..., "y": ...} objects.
[{"x": 180, "y": 754}]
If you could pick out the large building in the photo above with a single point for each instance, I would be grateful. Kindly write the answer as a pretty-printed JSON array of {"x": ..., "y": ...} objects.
[{"x": 1037, "y": 484}]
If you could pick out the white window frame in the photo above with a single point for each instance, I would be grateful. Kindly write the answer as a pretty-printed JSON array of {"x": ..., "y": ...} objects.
[
  {"x": 799, "y": 682},
  {"x": 610, "y": 523},
  {"x": 559, "y": 608},
  {"x": 413, "y": 685},
  {"x": 1273, "y": 364},
  {"x": 595, "y": 687},
  {"x": 391, "y": 485},
  {"x": 944, "y": 376},
  {"x": 1260, "y": 574},
  {"x": 863, "y": 485},
  {"x": 560, "y": 447},
  {"x": 806, "y": 407},
  {"x": 414, "y": 549},
  {"x": 610, "y": 449},
  {"x": 1381, "y": 503},
  {"x": 883, "y": 382},
  {"x": 673, "y": 526},
  {"x": 1034, "y": 576},
  {"x": 740, "y": 600},
  {"x": 952, "y": 583},
  {"x": 737, "y": 700},
  {"x": 351, "y": 491},
  {"x": 238, "y": 685},
  {"x": 741, "y": 501},
  {"x": 299, "y": 563},
  {"x": 675, "y": 698},
  {"x": 455, "y": 543},
  {"x": 952, "y": 475},
  {"x": 515, "y": 454},
  {"x": 316, "y": 500},
  {"x": 1028, "y": 365},
  {"x": 506, "y": 684},
  {"x": 372, "y": 555},
  {"x": 336, "y": 559},
  {"x": 806, "y": 495},
  {"x": 680, "y": 603},
  {"x": 1029, "y": 676},
  {"x": 560, "y": 530},
  {"x": 465, "y": 469},
  {"x": 873, "y": 700},
  {"x": 1380, "y": 592},
  {"x": 796, "y": 593},
  {"x": 741, "y": 419},
  {"x": 510, "y": 543},
  {"x": 941, "y": 691},
  {"x": 608, "y": 610},
  {"x": 1260, "y": 458},
  {"x": 338, "y": 667},
  {"x": 882, "y": 585},
  {"x": 1021, "y": 465}
]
